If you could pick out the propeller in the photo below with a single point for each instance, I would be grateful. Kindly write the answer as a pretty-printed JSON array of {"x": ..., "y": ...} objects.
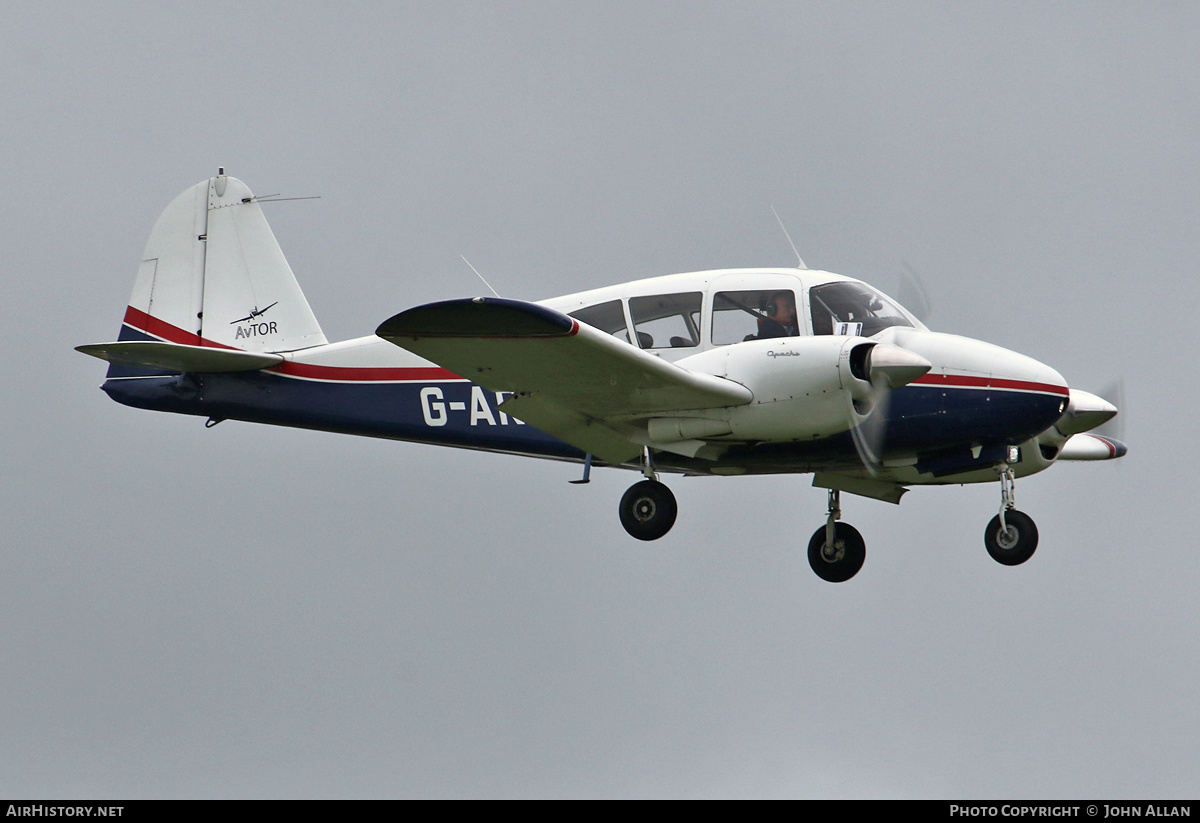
[
  {"x": 887, "y": 367},
  {"x": 912, "y": 294},
  {"x": 1091, "y": 426},
  {"x": 883, "y": 367},
  {"x": 1114, "y": 427},
  {"x": 1086, "y": 412}
]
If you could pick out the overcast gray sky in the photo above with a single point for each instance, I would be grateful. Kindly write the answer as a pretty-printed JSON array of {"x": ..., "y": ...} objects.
[{"x": 248, "y": 611}]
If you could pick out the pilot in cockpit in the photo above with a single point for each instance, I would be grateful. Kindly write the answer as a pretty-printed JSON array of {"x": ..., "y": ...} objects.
[{"x": 779, "y": 319}]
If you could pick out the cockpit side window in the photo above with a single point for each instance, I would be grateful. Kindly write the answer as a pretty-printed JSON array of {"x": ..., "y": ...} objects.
[
  {"x": 607, "y": 317},
  {"x": 852, "y": 308},
  {"x": 754, "y": 315},
  {"x": 664, "y": 321}
]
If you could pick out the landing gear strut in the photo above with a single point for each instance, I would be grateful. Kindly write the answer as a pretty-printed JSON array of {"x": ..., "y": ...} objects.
[
  {"x": 1011, "y": 537},
  {"x": 648, "y": 508},
  {"x": 836, "y": 551}
]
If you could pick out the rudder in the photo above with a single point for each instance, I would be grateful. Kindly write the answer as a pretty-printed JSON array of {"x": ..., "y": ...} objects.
[{"x": 213, "y": 275}]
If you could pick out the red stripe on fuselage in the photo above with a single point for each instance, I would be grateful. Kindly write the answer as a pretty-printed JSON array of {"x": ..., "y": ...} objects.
[
  {"x": 163, "y": 330},
  {"x": 968, "y": 381}
]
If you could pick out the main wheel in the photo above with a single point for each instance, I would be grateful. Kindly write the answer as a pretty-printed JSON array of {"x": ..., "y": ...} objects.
[
  {"x": 648, "y": 510},
  {"x": 1016, "y": 544},
  {"x": 840, "y": 562}
]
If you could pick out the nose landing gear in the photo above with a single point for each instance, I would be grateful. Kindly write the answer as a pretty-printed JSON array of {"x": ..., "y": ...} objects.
[{"x": 1011, "y": 537}]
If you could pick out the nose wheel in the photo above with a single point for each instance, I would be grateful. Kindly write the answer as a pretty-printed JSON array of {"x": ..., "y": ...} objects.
[
  {"x": 1012, "y": 541},
  {"x": 1011, "y": 537}
]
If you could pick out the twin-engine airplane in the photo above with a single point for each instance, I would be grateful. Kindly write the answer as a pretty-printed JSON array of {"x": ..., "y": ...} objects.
[{"x": 730, "y": 372}]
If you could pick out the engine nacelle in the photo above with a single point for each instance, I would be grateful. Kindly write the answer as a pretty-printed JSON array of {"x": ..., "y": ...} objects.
[{"x": 804, "y": 388}]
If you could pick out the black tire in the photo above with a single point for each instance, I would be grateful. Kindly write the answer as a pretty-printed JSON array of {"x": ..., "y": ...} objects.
[
  {"x": 648, "y": 510},
  {"x": 846, "y": 558},
  {"x": 1014, "y": 546}
]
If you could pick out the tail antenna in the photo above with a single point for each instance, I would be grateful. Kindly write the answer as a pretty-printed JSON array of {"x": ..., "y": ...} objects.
[
  {"x": 799, "y": 259},
  {"x": 480, "y": 276}
]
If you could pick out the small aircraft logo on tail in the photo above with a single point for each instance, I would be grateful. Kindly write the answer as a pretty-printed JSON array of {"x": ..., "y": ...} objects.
[{"x": 254, "y": 314}]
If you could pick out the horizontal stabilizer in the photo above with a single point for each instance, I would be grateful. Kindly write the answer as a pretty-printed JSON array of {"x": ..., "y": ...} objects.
[{"x": 178, "y": 357}]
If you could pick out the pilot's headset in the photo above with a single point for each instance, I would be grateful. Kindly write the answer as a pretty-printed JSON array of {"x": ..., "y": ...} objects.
[{"x": 771, "y": 307}]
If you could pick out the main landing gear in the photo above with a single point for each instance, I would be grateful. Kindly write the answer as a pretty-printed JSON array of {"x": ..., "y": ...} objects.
[
  {"x": 648, "y": 508},
  {"x": 1011, "y": 538},
  {"x": 836, "y": 551}
]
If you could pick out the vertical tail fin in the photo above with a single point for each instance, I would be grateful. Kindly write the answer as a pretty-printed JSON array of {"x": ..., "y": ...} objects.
[{"x": 214, "y": 275}]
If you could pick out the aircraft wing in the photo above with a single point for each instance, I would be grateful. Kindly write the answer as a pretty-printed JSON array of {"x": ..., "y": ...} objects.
[{"x": 567, "y": 378}]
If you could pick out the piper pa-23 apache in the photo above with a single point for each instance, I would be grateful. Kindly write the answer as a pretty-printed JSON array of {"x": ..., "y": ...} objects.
[{"x": 730, "y": 372}]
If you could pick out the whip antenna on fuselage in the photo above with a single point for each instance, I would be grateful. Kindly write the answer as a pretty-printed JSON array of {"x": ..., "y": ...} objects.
[
  {"x": 799, "y": 259},
  {"x": 480, "y": 276}
]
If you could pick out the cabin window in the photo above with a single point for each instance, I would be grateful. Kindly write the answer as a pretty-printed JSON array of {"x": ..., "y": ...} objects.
[
  {"x": 607, "y": 317},
  {"x": 667, "y": 321},
  {"x": 753, "y": 315},
  {"x": 853, "y": 309}
]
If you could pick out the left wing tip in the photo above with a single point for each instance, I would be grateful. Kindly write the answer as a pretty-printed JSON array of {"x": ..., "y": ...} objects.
[{"x": 478, "y": 317}]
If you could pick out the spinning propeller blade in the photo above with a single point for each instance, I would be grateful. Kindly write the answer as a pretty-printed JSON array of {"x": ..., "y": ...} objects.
[
  {"x": 1115, "y": 427},
  {"x": 888, "y": 367},
  {"x": 912, "y": 293}
]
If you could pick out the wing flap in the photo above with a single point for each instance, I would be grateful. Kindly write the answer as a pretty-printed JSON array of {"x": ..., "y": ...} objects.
[{"x": 582, "y": 432}]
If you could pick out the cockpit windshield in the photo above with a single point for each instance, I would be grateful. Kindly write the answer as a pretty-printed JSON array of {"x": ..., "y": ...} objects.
[{"x": 847, "y": 307}]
